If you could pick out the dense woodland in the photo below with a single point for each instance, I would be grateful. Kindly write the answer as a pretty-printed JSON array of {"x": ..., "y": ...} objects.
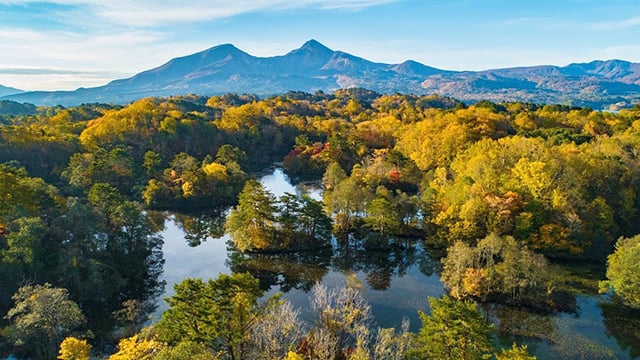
[{"x": 505, "y": 189}]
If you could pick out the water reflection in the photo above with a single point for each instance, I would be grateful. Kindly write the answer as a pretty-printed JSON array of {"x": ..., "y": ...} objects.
[
  {"x": 380, "y": 258},
  {"x": 623, "y": 324},
  {"x": 283, "y": 271},
  {"x": 201, "y": 226},
  {"x": 399, "y": 274}
]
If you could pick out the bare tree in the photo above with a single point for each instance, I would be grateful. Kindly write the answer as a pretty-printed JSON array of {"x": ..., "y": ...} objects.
[
  {"x": 342, "y": 316},
  {"x": 276, "y": 332}
]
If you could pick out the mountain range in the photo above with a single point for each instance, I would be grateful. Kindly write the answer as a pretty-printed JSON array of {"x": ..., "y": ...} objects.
[
  {"x": 314, "y": 67},
  {"x": 4, "y": 90}
]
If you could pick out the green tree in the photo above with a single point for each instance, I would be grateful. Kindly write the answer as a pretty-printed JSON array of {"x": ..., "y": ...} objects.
[
  {"x": 151, "y": 163},
  {"x": 460, "y": 257},
  {"x": 185, "y": 350},
  {"x": 228, "y": 154},
  {"x": 218, "y": 314},
  {"x": 24, "y": 245},
  {"x": 333, "y": 176},
  {"x": 302, "y": 222},
  {"x": 455, "y": 330},
  {"x": 347, "y": 202},
  {"x": 42, "y": 317},
  {"x": 623, "y": 271},
  {"x": 251, "y": 222},
  {"x": 382, "y": 216}
]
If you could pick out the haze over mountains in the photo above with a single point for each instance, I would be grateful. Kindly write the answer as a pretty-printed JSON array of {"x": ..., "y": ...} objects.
[
  {"x": 312, "y": 67},
  {"x": 4, "y": 90}
]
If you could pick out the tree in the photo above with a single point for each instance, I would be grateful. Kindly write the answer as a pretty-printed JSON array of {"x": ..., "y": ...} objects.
[
  {"x": 498, "y": 265},
  {"x": 333, "y": 176},
  {"x": 74, "y": 349},
  {"x": 276, "y": 331},
  {"x": 302, "y": 222},
  {"x": 151, "y": 163},
  {"x": 251, "y": 222},
  {"x": 24, "y": 245},
  {"x": 218, "y": 314},
  {"x": 343, "y": 318},
  {"x": 515, "y": 353},
  {"x": 185, "y": 350},
  {"x": 460, "y": 257},
  {"x": 137, "y": 347},
  {"x": 623, "y": 271},
  {"x": 347, "y": 202},
  {"x": 382, "y": 216},
  {"x": 392, "y": 346},
  {"x": 42, "y": 317},
  {"x": 455, "y": 330}
]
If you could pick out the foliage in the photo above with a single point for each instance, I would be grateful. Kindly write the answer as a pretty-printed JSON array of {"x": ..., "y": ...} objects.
[
  {"x": 455, "y": 330},
  {"x": 343, "y": 318},
  {"x": 293, "y": 356},
  {"x": 623, "y": 271},
  {"x": 559, "y": 180},
  {"x": 185, "y": 350},
  {"x": 251, "y": 222},
  {"x": 42, "y": 317},
  {"x": 136, "y": 347},
  {"x": 74, "y": 349},
  {"x": 498, "y": 268},
  {"x": 261, "y": 223},
  {"x": 515, "y": 353},
  {"x": 276, "y": 332},
  {"x": 218, "y": 314}
]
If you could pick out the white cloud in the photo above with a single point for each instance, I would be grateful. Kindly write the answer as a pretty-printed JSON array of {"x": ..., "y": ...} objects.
[
  {"x": 564, "y": 23},
  {"x": 616, "y": 25},
  {"x": 31, "y": 57},
  {"x": 626, "y": 52},
  {"x": 160, "y": 13}
]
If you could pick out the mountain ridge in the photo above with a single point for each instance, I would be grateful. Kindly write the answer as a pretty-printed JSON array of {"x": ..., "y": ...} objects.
[
  {"x": 313, "y": 66},
  {"x": 6, "y": 90}
]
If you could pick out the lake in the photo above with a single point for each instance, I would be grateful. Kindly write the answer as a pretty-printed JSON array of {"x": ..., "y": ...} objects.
[{"x": 397, "y": 284}]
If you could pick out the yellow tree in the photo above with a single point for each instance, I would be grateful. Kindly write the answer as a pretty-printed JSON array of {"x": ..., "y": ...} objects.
[{"x": 74, "y": 349}]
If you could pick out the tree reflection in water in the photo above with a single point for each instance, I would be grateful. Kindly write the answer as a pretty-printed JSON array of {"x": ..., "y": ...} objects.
[
  {"x": 302, "y": 270},
  {"x": 623, "y": 324},
  {"x": 199, "y": 227},
  {"x": 286, "y": 271},
  {"x": 566, "y": 327}
]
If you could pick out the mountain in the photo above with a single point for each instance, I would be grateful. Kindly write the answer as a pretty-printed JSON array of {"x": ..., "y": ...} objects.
[
  {"x": 312, "y": 67},
  {"x": 4, "y": 90},
  {"x": 8, "y": 107}
]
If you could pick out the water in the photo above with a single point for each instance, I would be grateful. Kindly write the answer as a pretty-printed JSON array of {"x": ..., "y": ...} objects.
[{"x": 397, "y": 284}]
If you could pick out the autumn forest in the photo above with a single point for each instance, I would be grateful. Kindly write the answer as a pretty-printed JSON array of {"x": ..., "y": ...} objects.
[{"x": 503, "y": 191}]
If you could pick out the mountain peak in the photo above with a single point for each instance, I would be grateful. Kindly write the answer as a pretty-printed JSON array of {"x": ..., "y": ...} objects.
[
  {"x": 314, "y": 45},
  {"x": 311, "y": 55},
  {"x": 224, "y": 47}
]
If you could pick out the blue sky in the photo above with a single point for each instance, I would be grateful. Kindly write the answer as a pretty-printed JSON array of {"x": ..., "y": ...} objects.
[{"x": 66, "y": 44}]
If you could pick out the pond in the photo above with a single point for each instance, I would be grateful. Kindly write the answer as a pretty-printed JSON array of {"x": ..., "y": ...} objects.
[{"x": 396, "y": 284}]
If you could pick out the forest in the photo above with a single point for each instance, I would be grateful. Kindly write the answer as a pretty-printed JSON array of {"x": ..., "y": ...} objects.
[{"x": 504, "y": 190}]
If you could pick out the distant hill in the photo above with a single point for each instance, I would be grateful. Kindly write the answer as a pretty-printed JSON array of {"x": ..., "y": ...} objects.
[
  {"x": 8, "y": 107},
  {"x": 4, "y": 90},
  {"x": 312, "y": 67}
]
